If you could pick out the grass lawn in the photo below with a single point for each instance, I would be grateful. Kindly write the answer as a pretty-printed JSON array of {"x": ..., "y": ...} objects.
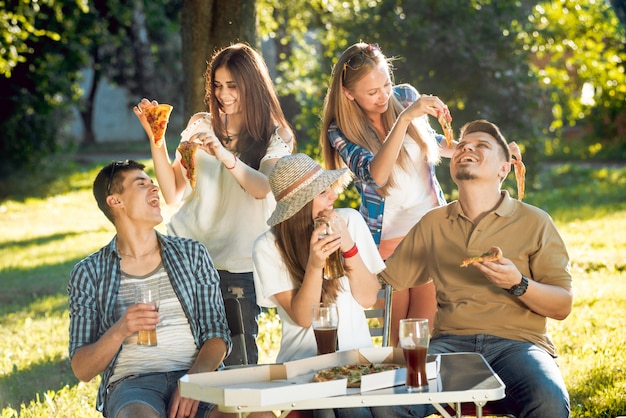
[{"x": 48, "y": 226}]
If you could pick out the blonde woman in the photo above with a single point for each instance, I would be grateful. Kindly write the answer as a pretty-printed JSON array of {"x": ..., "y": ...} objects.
[{"x": 381, "y": 133}]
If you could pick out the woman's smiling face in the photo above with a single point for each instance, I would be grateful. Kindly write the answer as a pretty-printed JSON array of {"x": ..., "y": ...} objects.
[
  {"x": 323, "y": 201},
  {"x": 372, "y": 92}
]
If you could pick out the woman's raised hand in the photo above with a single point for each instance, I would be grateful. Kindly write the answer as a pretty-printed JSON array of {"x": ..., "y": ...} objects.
[
  {"x": 138, "y": 110},
  {"x": 427, "y": 104}
]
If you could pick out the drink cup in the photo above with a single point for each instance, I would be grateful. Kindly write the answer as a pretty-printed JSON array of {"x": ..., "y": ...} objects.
[
  {"x": 333, "y": 268},
  {"x": 414, "y": 338},
  {"x": 324, "y": 320},
  {"x": 148, "y": 294}
]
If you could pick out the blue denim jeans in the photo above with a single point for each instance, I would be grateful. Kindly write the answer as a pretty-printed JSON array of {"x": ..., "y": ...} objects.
[
  {"x": 534, "y": 384},
  {"x": 241, "y": 286},
  {"x": 152, "y": 389}
]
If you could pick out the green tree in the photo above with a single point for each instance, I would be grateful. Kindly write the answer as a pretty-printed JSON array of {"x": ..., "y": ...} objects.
[
  {"x": 578, "y": 50},
  {"x": 46, "y": 44},
  {"x": 39, "y": 78}
]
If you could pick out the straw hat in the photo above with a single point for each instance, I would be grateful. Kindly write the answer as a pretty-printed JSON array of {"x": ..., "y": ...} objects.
[{"x": 295, "y": 180}]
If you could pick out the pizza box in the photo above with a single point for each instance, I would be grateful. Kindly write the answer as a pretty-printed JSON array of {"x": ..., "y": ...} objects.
[
  {"x": 257, "y": 386},
  {"x": 364, "y": 356}
]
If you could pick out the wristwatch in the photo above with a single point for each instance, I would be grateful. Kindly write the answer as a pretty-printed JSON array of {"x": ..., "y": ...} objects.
[{"x": 519, "y": 289}]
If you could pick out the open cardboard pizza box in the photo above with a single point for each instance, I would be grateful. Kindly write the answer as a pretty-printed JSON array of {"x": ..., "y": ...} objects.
[
  {"x": 256, "y": 386},
  {"x": 364, "y": 356},
  {"x": 292, "y": 381}
]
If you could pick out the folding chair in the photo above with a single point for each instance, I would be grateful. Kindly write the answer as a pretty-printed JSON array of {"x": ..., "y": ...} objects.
[
  {"x": 238, "y": 356},
  {"x": 382, "y": 312}
]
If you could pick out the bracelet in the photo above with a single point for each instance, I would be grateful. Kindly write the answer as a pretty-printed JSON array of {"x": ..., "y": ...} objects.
[
  {"x": 234, "y": 165},
  {"x": 351, "y": 252}
]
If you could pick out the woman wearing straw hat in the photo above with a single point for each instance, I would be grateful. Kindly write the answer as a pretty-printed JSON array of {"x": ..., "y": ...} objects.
[{"x": 290, "y": 257}]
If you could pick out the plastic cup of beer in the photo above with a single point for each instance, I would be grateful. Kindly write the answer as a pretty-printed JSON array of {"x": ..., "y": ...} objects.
[
  {"x": 324, "y": 320},
  {"x": 333, "y": 268},
  {"x": 414, "y": 338},
  {"x": 148, "y": 294}
]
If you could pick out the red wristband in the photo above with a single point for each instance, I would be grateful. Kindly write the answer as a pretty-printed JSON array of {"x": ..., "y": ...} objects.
[
  {"x": 351, "y": 252},
  {"x": 234, "y": 164}
]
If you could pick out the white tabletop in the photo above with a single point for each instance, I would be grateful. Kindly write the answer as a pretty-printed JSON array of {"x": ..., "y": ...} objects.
[{"x": 464, "y": 377}]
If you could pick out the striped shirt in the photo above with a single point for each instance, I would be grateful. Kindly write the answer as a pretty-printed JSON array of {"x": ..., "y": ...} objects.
[
  {"x": 95, "y": 282},
  {"x": 358, "y": 160}
]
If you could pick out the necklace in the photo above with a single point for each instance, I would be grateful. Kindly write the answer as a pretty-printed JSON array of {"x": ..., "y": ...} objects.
[
  {"x": 139, "y": 256},
  {"x": 228, "y": 138}
]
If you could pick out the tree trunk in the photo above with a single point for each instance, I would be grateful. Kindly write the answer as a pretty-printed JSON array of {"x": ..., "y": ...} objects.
[
  {"x": 87, "y": 110},
  {"x": 141, "y": 50},
  {"x": 206, "y": 26}
]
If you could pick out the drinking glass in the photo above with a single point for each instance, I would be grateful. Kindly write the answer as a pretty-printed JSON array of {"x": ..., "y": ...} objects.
[
  {"x": 333, "y": 268},
  {"x": 324, "y": 320},
  {"x": 414, "y": 338},
  {"x": 147, "y": 293}
]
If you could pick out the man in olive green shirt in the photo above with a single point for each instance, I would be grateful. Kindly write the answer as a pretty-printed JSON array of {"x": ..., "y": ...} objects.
[{"x": 497, "y": 308}]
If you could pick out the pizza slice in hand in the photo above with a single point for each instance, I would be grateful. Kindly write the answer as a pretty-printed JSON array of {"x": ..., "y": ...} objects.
[
  {"x": 187, "y": 150},
  {"x": 520, "y": 177},
  {"x": 444, "y": 119},
  {"x": 158, "y": 116},
  {"x": 493, "y": 254}
]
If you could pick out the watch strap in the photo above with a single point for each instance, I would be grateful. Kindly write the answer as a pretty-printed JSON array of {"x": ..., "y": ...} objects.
[{"x": 519, "y": 289}]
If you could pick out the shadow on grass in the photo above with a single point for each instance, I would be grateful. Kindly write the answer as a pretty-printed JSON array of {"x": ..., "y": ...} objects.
[
  {"x": 22, "y": 386},
  {"x": 26, "y": 287},
  {"x": 35, "y": 295},
  {"x": 59, "y": 174},
  {"x": 40, "y": 240}
]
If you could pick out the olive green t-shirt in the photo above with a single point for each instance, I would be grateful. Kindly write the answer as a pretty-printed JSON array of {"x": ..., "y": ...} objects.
[{"x": 468, "y": 303}]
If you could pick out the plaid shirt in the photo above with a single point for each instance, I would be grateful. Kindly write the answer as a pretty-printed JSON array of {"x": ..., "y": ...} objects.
[
  {"x": 95, "y": 281},
  {"x": 358, "y": 160}
]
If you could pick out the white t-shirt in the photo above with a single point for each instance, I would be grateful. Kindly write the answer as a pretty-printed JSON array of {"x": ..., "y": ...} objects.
[
  {"x": 176, "y": 348},
  {"x": 220, "y": 213},
  {"x": 271, "y": 277},
  {"x": 413, "y": 195}
]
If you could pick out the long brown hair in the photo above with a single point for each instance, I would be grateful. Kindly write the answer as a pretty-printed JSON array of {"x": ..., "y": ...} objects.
[
  {"x": 292, "y": 240},
  {"x": 353, "y": 121},
  {"x": 259, "y": 103}
]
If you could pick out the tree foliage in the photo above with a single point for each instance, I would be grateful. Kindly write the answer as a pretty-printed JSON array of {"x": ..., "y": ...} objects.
[
  {"x": 521, "y": 63},
  {"x": 481, "y": 57},
  {"x": 578, "y": 50},
  {"x": 39, "y": 78}
]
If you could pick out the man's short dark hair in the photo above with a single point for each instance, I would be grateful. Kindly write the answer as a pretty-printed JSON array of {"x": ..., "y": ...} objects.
[
  {"x": 492, "y": 129},
  {"x": 109, "y": 181}
]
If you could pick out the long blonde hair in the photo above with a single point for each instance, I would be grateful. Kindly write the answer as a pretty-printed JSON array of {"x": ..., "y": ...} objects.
[
  {"x": 354, "y": 123},
  {"x": 292, "y": 240}
]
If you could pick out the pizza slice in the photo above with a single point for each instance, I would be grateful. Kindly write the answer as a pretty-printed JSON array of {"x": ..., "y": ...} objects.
[
  {"x": 158, "y": 116},
  {"x": 444, "y": 119},
  {"x": 493, "y": 254},
  {"x": 520, "y": 177},
  {"x": 187, "y": 150},
  {"x": 352, "y": 372}
]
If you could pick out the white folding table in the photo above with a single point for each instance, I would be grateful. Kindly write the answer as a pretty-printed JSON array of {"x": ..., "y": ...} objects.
[{"x": 463, "y": 378}]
